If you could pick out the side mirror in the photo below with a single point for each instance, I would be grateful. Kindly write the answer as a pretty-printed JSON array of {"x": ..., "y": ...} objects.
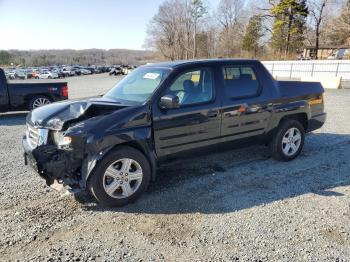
[{"x": 169, "y": 102}]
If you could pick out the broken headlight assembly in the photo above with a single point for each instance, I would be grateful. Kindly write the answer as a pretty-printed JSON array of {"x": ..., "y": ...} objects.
[
  {"x": 55, "y": 124},
  {"x": 62, "y": 140}
]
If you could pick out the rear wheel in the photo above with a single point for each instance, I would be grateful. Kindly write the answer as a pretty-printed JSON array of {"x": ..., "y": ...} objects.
[
  {"x": 39, "y": 101},
  {"x": 120, "y": 178},
  {"x": 288, "y": 141}
]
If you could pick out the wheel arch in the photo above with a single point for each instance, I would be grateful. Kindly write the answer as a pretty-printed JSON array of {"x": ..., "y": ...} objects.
[
  {"x": 275, "y": 140},
  {"x": 300, "y": 117},
  {"x": 277, "y": 120},
  {"x": 141, "y": 145}
]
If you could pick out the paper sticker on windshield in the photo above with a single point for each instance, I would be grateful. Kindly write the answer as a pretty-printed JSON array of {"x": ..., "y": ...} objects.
[{"x": 152, "y": 76}]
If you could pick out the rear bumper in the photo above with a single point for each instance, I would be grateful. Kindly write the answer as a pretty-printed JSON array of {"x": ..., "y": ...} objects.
[{"x": 317, "y": 122}]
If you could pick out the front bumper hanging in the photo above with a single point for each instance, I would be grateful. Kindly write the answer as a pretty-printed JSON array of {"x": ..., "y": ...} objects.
[{"x": 54, "y": 164}]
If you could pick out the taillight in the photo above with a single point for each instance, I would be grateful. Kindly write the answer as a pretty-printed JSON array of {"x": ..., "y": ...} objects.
[
  {"x": 316, "y": 100},
  {"x": 64, "y": 91}
]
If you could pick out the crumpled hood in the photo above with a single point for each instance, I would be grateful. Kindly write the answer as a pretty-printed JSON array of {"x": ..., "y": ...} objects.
[{"x": 57, "y": 114}]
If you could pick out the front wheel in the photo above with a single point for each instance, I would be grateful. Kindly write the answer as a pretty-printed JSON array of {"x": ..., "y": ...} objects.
[
  {"x": 288, "y": 141},
  {"x": 120, "y": 177}
]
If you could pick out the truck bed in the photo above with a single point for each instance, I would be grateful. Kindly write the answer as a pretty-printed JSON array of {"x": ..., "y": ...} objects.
[{"x": 299, "y": 89}]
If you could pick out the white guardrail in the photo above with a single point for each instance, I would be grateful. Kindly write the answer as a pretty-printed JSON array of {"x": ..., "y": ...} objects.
[{"x": 309, "y": 68}]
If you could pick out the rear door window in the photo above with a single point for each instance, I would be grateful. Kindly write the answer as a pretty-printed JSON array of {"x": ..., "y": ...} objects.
[{"x": 240, "y": 81}]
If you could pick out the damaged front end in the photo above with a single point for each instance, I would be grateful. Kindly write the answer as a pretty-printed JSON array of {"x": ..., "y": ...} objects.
[
  {"x": 58, "y": 165},
  {"x": 54, "y": 144}
]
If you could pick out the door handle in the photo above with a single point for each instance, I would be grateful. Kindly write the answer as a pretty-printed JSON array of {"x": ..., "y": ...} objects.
[
  {"x": 249, "y": 109},
  {"x": 253, "y": 109},
  {"x": 212, "y": 114}
]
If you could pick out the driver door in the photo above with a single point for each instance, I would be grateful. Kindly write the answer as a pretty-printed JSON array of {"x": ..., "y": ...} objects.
[{"x": 196, "y": 123}]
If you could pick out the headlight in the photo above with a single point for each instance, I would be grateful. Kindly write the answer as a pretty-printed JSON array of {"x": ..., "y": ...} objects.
[
  {"x": 65, "y": 141},
  {"x": 55, "y": 124},
  {"x": 61, "y": 139}
]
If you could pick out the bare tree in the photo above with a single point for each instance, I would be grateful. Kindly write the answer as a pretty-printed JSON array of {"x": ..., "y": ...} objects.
[
  {"x": 229, "y": 15},
  {"x": 317, "y": 12},
  {"x": 165, "y": 34},
  {"x": 341, "y": 33},
  {"x": 229, "y": 12}
]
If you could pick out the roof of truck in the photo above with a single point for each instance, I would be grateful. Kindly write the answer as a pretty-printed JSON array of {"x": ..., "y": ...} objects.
[{"x": 179, "y": 63}]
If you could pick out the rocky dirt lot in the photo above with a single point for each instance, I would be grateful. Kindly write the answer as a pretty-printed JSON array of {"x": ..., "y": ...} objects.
[{"x": 238, "y": 205}]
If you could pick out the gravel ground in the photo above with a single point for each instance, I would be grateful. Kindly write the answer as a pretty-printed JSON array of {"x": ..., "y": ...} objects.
[{"x": 237, "y": 205}]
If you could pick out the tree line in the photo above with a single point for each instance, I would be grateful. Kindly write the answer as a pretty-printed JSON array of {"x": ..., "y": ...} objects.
[
  {"x": 72, "y": 57},
  {"x": 269, "y": 29}
]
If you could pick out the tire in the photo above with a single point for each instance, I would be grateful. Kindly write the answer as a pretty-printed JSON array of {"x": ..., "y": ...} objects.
[
  {"x": 38, "y": 101},
  {"x": 122, "y": 189},
  {"x": 288, "y": 140}
]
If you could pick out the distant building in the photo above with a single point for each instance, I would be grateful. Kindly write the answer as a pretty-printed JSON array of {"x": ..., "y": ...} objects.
[{"x": 327, "y": 52}]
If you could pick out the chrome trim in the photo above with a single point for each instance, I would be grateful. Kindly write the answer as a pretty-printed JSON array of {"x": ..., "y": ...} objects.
[{"x": 36, "y": 136}]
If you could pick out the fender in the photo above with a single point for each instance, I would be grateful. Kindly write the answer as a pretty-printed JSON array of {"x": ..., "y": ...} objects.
[{"x": 139, "y": 138}]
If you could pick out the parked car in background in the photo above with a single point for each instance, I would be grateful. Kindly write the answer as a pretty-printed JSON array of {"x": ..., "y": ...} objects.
[
  {"x": 106, "y": 69},
  {"x": 34, "y": 73},
  {"x": 84, "y": 71},
  {"x": 59, "y": 73},
  {"x": 112, "y": 145},
  {"x": 20, "y": 74},
  {"x": 116, "y": 70},
  {"x": 100, "y": 69},
  {"x": 68, "y": 71},
  {"x": 29, "y": 73},
  {"x": 92, "y": 69},
  {"x": 28, "y": 96},
  {"x": 46, "y": 75},
  {"x": 125, "y": 70},
  {"x": 10, "y": 74}
]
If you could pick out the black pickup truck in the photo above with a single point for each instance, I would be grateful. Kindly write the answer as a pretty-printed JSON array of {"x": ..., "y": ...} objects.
[
  {"x": 28, "y": 96},
  {"x": 112, "y": 145}
]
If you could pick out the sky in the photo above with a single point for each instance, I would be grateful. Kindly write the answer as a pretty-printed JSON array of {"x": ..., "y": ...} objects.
[{"x": 76, "y": 24}]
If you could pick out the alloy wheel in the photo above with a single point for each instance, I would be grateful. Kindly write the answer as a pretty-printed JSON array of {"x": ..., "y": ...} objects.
[
  {"x": 291, "y": 141},
  {"x": 41, "y": 101},
  {"x": 122, "y": 178}
]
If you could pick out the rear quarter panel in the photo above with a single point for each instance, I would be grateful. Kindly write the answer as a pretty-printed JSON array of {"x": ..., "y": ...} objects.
[{"x": 295, "y": 97}]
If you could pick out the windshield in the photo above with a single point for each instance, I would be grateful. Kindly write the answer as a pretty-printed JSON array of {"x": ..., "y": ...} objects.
[{"x": 139, "y": 85}]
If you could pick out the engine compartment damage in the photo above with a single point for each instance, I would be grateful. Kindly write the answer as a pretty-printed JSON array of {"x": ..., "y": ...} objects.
[{"x": 59, "y": 116}]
